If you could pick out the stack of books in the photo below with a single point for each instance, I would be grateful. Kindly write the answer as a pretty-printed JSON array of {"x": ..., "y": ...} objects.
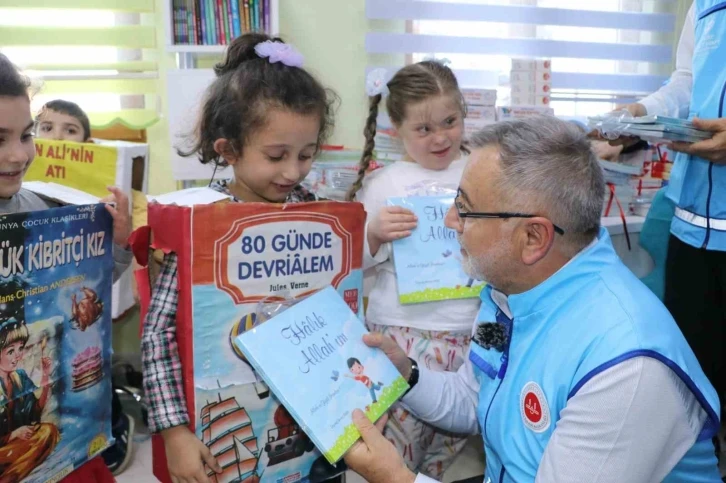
[
  {"x": 334, "y": 172},
  {"x": 480, "y": 109},
  {"x": 389, "y": 146},
  {"x": 217, "y": 22},
  {"x": 650, "y": 128}
]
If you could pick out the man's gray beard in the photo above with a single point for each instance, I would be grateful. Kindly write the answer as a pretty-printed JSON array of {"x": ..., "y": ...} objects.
[{"x": 469, "y": 267}]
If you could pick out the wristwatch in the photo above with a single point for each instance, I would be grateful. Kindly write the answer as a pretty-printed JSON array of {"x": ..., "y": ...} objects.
[{"x": 413, "y": 377}]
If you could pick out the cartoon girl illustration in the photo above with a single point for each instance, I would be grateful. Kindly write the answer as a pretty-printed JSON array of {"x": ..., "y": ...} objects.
[{"x": 25, "y": 441}]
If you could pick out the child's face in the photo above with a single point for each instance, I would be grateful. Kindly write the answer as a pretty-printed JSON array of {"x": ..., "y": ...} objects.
[
  {"x": 432, "y": 131},
  {"x": 278, "y": 156},
  {"x": 10, "y": 356},
  {"x": 16, "y": 143},
  {"x": 357, "y": 369},
  {"x": 60, "y": 127}
]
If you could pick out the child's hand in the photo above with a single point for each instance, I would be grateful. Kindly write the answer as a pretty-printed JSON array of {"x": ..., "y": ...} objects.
[
  {"x": 186, "y": 456},
  {"x": 392, "y": 223},
  {"x": 23, "y": 433},
  {"x": 120, "y": 214},
  {"x": 46, "y": 364}
]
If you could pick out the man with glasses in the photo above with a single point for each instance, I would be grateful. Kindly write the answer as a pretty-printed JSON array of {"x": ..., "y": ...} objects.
[{"x": 577, "y": 372}]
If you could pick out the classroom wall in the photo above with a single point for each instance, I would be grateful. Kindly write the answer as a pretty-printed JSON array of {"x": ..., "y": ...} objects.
[{"x": 331, "y": 36}]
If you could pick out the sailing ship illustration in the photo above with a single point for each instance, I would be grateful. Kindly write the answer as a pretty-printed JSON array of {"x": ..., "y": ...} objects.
[{"x": 227, "y": 432}]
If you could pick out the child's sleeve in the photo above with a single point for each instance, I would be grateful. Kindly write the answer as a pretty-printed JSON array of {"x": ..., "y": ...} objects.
[
  {"x": 163, "y": 384},
  {"x": 373, "y": 197}
]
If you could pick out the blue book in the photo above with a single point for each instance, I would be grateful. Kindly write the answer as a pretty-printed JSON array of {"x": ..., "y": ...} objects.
[
  {"x": 313, "y": 358},
  {"x": 428, "y": 263},
  {"x": 55, "y": 339},
  {"x": 203, "y": 22},
  {"x": 235, "y": 19},
  {"x": 211, "y": 22}
]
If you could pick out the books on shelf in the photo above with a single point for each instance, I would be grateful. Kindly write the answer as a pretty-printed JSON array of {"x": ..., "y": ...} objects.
[{"x": 217, "y": 22}]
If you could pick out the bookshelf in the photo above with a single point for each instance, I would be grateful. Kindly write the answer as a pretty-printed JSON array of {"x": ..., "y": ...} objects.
[
  {"x": 202, "y": 48},
  {"x": 186, "y": 84}
]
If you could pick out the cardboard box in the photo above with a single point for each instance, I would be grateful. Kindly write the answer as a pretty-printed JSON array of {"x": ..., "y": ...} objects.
[
  {"x": 518, "y": 112},
  {"x": 531, "y": 88},
  {"x": 519, "y": 76},
  {"x": 480, "y": 97},
  {"x": 482, "y": 113},
  {"x": 530, "y": 100},
  {"x": 89, "y": 168},
  {"x": 541, "y": 65},
  {"x": 234, "y": 261},
  {"x": 475, "y": 126}
]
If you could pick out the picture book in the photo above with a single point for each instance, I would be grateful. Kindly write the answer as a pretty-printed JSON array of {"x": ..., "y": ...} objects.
[
  {"x": 55, "y": 341},
  {"x": 428, "y": 263},
  {"x": 231, "y": 258},
  {"x": 313, "y": 357}
]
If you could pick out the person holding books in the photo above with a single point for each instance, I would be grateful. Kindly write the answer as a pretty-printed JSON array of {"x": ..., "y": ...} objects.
[
  {"x": 17, "y": 151},
  {"x": 427, "y": 110},
  {"x": 266, "y": 117},
  {"x": 576, "y": 372},
  {"x": 695, "y": 277},
  {"x": 66, "y": 121}
]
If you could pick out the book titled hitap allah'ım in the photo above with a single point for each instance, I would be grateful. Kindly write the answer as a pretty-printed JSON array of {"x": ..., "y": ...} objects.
[{"x": 314, "y": 359}]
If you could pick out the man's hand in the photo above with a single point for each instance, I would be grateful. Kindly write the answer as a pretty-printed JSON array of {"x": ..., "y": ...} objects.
[
  {"x": 392, "y": 350},
  {"x": 375, "y": 458},
  {"x": 120, "y": 214},
  {"x": 635, "y": 110},
  {"x": 713, "y": 149}
]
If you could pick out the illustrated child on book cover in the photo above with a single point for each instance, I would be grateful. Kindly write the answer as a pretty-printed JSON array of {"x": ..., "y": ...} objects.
[
  {"x": 356, "y": 368},
  {"x": 25, "y": 441}
]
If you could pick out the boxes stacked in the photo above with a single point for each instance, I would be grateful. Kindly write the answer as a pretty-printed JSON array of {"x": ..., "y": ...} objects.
[
  {"x": 530, "y": 82},
  {"x": 481, "y": 110}
]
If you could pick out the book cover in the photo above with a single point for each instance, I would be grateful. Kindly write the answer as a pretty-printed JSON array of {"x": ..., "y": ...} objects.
[
  {"x": 192, "y": 22},
  {"x": 226, "y": 19},
  {"x": 428, "y": 263},
  {"x": 260, "y": 18},
  {"x": 253, "y": 15},
  {"x": 268, "y": 27},
  {"x": 212, "y": 22},
  {"x": 313, "y": 358},
  {"x": 232, "y": 256},
  {"x": 204, "y": 39},
  {"x": 219, "y": 20},
  {"x": 175, "y": 21},
  {"x": 248, "y": 24},
  {"x": 55, "y": 341},
  {"x": 199, "y": 38},
  {"x": 236, "y": 28}
]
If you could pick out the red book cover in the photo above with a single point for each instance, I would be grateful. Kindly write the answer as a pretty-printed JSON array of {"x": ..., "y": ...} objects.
[
  {"x": 219, "y": 18},
  {"x": 230, "y": 257}
]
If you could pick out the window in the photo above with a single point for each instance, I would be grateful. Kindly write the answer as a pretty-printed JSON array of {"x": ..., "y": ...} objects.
[
  {"x": 93, "y": 57},
  {"x": 603, "y": 53}
]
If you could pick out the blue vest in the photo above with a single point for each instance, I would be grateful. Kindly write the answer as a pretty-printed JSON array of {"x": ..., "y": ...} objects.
[
  {"x": 697, "y": 186},
  {"x": 589, "y": 316}
]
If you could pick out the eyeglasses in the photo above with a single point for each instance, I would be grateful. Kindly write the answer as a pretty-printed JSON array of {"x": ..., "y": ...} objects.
[{"x": 502, "y": 215}]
